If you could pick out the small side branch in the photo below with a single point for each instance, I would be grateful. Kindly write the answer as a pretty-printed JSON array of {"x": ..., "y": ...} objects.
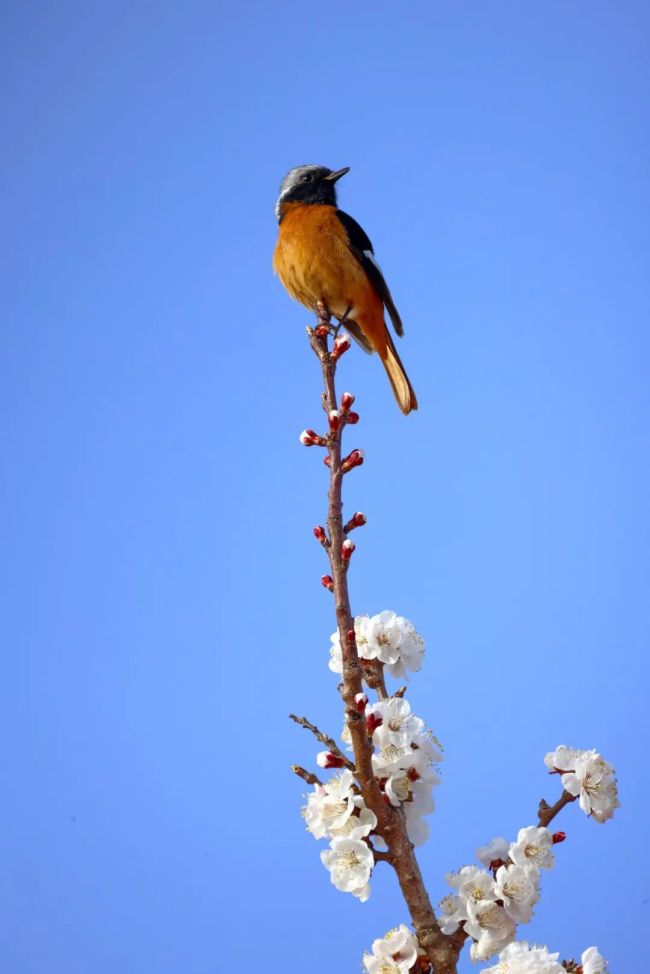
[
  {"x": 307, "y": 776},
  {"x": 329, "y": 742},
  {"x": 546, "y": 813}
]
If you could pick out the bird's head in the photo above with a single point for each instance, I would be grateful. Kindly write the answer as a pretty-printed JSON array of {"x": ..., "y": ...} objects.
[{"x": 308, "y": 184}]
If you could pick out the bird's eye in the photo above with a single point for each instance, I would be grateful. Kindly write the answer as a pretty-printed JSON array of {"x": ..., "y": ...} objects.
[{"x": 306, "y": 177}]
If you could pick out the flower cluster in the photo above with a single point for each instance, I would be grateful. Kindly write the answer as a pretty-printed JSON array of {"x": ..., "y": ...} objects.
[
  {"x": 386, "y": 637},
  {"x": 586, "y": 774},
  {"x": 394, "y": 953},
  {"x": 521, "y": 958},
  {"x": 403, "y": 761},
  {"x": 490, "y": 902},
  {"x": 336, "y": 811}
]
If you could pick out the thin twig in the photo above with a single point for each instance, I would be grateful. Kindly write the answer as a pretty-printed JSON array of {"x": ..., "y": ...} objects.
[
  {"x": 329, "y": 742},
  {"x": 307, "y": 776}
]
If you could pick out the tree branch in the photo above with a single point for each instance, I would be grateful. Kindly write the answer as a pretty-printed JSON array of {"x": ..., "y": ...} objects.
[{"x": 441, "y": 950}]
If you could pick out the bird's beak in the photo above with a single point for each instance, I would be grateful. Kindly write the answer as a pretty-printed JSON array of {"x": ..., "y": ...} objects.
[{"x": 333, "y": 176}]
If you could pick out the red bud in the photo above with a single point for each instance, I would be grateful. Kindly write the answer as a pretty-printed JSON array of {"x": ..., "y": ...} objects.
[
  {"x": 325, "y": 759},
  {"x": 558, "y": 837},
  {"x": 346, "y": 401},
  {"x": 334, "y": 419},
  {"x": 373, "y": 721},
  {"x": 322, "y": 331},
  {"x": 327, "y": 461},
  {"x": 353, "y": 418},
  {"x": 347, "y": 548},
  {"x": 319, "y": 533},
  {"x": 352, "y": 636},
  {"x": 341, "y": 345},
  {"x": 327, "y": 582},
  {"x": 356, "y": 521},
  {"x": 311, "y": 438},
  {"x": 354, "y": 459},
  {"x": 361, "y": 702}
]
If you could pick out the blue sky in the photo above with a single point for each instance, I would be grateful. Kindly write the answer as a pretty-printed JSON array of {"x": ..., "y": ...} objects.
[{"x": 162, "y": 613}]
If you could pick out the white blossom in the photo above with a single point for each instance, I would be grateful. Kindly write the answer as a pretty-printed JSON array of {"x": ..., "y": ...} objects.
[
  {"x": 533, "y": 847},
  {"x": 490, "y": 926},
  {"x": 418, "y": 756},
  {"x": 472, "y": 883},
  {"x": 336, "y": 654},
  {"x": 592, "y": 962},
  {"x": 395, "y": 953},
  {"x": 350, "y": 863},
  {"x": 346, "y": 736},
  {"x": 390, "y": 759},
  {"x": 563, "y": 758},
  {"x": 330, "y": 805},
  {"x": 594, "y": 781},
  {"x": 475, "y": 885},
  {"x": 518, "y": 889},
  {"x": 521, "y": 958},
  {"x": 493, "y": 851},
  {"x": 452, "y": 912},
  {"x": 588, "y": 776},
  {"x": 362, "y": 893},
  {"x": 416, "y": 828},
  {"x": 398, "y": 725},
  {"x": 386, "y": 637},
  {"x": 411, "y": 649},
  {"x": 381, "y": 636},
  {"x": 358, "y": 825}
]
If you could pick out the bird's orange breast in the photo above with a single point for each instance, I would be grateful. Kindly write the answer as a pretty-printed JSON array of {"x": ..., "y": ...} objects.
[{"x": 314, "y": 262}]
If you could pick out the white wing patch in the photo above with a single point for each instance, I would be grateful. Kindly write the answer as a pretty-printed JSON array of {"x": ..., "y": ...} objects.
[{"x": 371, "y": 257}]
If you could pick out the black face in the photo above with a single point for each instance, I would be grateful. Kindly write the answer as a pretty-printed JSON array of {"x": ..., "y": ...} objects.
[{"x": 308, "y": 184}]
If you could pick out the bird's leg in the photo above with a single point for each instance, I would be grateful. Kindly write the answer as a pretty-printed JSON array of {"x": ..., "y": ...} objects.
[
  {"x": 325, "y": 318},
  {"x": 341, "y": 321}
]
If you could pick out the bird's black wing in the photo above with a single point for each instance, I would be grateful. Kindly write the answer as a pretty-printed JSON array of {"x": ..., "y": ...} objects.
[{"x": 362, "y": 249}]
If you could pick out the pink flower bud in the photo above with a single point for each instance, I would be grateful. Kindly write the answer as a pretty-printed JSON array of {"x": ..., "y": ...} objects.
[
  {"x": 352, "y": 418},
  {"x": 354, "y": 459},
  {"x": 346, "y": 401},
  {"x": 361, "y": 702},
  {"x": 341, "y": 345},
  {"x": 334, "y": 419},
  {"x": 319, "y": 533},
  {"x": 327, "y": 460},
  {"x": 327, "y": 582},
  {"x": 558, "y": 837},
  {"x": 311, "y": 438},
  {"x": 322, "y": 331},
  {"x": 373, "y": 721},
  {"x": 325, "y": 759},
  {"x": 356, "y": 521},
  {"x": 347, "y": 548}
]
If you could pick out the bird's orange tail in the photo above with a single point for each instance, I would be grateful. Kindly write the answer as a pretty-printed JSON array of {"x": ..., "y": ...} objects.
[{"x": 406, "y": 398}]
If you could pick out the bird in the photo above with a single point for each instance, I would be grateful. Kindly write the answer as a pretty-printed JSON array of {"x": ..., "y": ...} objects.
[{"x": 323, "y": 257}]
